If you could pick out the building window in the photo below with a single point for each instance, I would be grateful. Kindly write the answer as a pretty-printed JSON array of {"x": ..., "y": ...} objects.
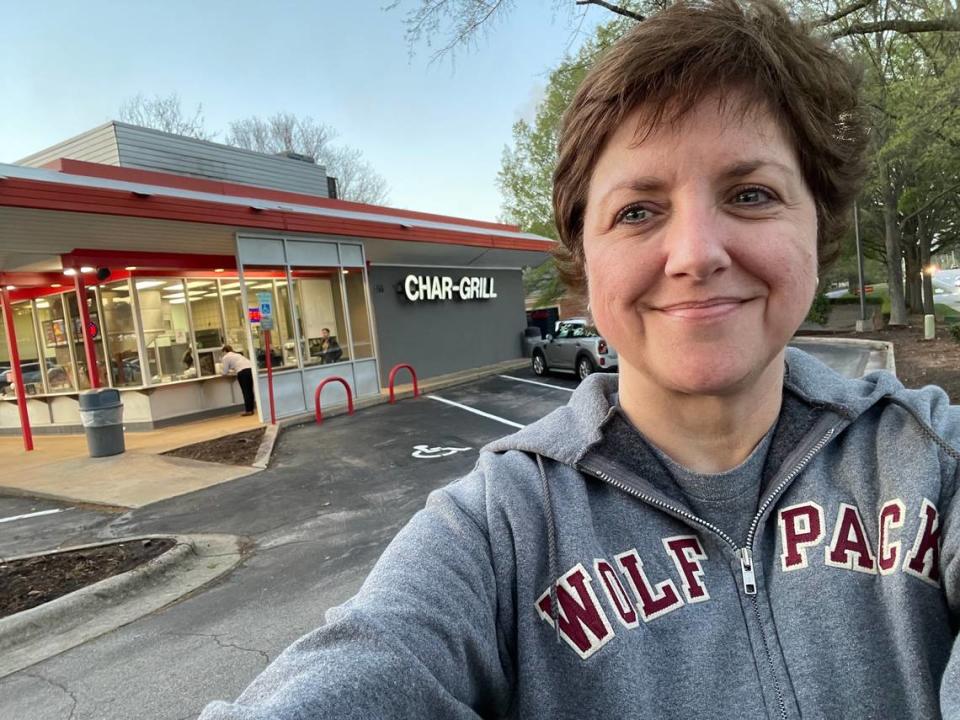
[
  {"x": 355, "y": 285},
  {"x": 319, "y": 304},
  {"x": 94, "y": 332},
  {"x": 55, "y": 345},
  {"x": 30, "y": 362},
  {"x": 166, "y": 330},
  {"x": 235, "y": 316},
  {"x": 121, "y": 335},
  {"x": 207, "y": 324},
  {"x": 283, "y": 349}
]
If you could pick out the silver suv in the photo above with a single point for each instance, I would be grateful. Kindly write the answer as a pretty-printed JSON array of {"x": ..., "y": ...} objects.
[{"x": 577, "y": 347}]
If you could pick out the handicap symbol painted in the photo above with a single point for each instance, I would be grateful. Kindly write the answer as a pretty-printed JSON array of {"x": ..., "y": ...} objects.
[{"x": 425, "y": 452}]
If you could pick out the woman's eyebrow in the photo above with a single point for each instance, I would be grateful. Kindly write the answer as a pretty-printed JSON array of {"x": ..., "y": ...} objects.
[
  {"x": 747, "y": 167},
  {"x": 648, "y": 183}
]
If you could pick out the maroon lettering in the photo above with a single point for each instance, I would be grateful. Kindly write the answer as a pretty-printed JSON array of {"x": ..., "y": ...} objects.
[
  {"x": 801, "y": 526},
  {"x": 923, "y": 561},
  {"x": 686, "y": 552},
  {"x": 849, "y": 548},
  {"x": 891, "y": 517},
  {"x": 583, "y": 624},
  {"x": 653, "y": 602},
  {"x": 616, "y": 594}
]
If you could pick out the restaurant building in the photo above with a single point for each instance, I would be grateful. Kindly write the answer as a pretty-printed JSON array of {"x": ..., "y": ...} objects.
[{"x": 128, "y": 257}]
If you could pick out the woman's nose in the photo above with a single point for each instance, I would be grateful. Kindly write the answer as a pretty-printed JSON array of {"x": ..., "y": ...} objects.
[{"x": 695, "y": 242}]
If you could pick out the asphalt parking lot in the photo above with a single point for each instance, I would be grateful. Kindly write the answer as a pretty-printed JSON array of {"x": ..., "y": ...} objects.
[{"x": 317, "y": 520}]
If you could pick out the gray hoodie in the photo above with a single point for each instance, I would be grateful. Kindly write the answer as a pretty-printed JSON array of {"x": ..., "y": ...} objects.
[{"x": 556, "y": 580}]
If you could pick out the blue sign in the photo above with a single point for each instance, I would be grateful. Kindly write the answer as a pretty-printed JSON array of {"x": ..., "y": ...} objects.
[{"x": 266, "y": 310}]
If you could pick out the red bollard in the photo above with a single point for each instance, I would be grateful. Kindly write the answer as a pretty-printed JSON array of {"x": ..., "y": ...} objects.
[
  {"x": 316, "y": 396},
  {"x": 393, "y": 376}
]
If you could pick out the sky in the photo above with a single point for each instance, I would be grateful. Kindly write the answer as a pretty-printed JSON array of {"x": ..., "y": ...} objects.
[{"x": 434, "y": 130}]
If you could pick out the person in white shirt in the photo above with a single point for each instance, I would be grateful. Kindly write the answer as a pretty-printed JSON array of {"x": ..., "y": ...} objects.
[{"x": 235, "y": 363}]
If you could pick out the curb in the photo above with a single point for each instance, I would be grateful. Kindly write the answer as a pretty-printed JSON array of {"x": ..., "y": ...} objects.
[
  {"x": 34, "y": 635},
  {"x": 878, "y": 345},
  {"x": 265, "y": 450}
]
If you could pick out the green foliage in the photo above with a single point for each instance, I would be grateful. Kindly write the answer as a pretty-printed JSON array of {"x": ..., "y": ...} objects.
[
  {"x": 854, "y": 300},
  {"x": 543, "y": 284},
  {"x": 526, "y": 171},
  {"x": 819, "y": 310},
  {"x": 955, "y": 332}
]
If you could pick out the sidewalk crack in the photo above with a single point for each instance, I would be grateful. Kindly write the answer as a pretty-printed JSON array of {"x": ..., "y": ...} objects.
[
  {"x": 57, "y": 685},
  {"x": 223, "y": 644}
]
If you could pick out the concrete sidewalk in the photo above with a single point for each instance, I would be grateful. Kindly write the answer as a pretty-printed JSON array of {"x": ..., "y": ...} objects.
[{"x": 60, "y": 467}]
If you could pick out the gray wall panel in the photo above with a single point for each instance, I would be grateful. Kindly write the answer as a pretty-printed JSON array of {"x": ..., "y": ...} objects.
[
  {"x": 366, "y": 376},
  {"x": 261, "y": 251},
  {"x": 334, "y": 394},
  {"x": 154, "y": 150},
  {"x": 304, "y": 253},
  {"x": 287, "y": 394},
  {"x": 439, "y": 337}
]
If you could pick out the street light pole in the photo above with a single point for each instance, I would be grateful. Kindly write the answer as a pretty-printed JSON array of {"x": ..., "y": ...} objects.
[{"x": 861, "y": 325}]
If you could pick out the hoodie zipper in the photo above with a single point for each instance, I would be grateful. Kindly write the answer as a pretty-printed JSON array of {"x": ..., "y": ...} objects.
[{"x": 745, "y": 554}]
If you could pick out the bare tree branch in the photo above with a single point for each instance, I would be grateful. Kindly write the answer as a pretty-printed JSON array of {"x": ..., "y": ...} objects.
[
  {"x": 164, "y": 113},
  {"x": 843, "y": 12},
  {"x": 900, "y": 26},
  {"x": 621, "y": 10}
]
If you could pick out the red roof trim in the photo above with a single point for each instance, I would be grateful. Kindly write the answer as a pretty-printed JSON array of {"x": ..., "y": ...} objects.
[
  {"x": 153, "y": 177},
  {"x": 19, "y": 192}
]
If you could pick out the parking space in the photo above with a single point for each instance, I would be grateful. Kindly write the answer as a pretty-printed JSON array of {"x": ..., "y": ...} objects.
[{"x": 30, "y": 525}]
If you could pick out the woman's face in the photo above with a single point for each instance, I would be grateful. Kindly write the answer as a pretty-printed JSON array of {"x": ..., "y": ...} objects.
[{"x": 700, "y": 246}]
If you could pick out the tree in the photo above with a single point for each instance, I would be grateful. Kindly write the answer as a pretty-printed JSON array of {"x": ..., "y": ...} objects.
[
  {"x": 912, "y": 90},
  {"x": 166, "y": 114},
  {"x": 911, "y": 56},
  {"x": 281, "y": 133},
  {"x": 285, "y": 132},
  {"x": 526, "y": 172},
  {"x": 460, "y": 22}
]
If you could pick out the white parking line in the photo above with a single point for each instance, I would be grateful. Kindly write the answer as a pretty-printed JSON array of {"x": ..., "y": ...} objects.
[
  {"x": 30, "y": 515},
  {"x": 476, "y": 412},
  {"x": 534, "y": 382}
]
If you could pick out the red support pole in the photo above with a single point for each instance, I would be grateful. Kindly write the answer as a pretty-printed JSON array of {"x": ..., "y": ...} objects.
[
  {"x": 88, "y": 349},
  {"x": 266, "y": 345},
  {"x": 17, "y": 371}
]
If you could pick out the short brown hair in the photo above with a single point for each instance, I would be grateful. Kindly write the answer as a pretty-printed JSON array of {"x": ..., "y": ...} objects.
[{"x": 694, "y": 48}]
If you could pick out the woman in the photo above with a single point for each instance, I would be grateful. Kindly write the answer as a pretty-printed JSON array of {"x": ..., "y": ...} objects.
[
  {"x": 233, "y": 362},
  {"x": 728, "y": 530}
]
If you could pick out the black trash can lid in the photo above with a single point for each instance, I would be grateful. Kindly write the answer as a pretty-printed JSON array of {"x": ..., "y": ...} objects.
[{"x": 99, "y": 399}]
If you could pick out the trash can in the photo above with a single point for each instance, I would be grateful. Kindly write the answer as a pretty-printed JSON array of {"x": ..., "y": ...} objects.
[{"x": 101, "y": 414}]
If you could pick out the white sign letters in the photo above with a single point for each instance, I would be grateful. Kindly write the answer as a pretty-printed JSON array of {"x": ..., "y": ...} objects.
[{"x": 443, "y": 287}]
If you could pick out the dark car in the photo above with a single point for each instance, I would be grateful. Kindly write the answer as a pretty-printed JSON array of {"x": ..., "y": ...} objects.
[{"x": 32, "y": 375}]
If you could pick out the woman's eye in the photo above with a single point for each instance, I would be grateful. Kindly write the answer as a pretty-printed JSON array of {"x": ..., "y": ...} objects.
[
  {"x": 633, "y": 215},
  {"x": 752, "y": 196}
]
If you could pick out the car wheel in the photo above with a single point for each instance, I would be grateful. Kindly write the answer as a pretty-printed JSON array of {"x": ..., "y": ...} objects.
[
  {"x": 585, "y": 367},
  {"x": 539, "y": 364}
]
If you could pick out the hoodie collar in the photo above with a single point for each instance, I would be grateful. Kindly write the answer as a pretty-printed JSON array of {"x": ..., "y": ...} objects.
[{"x": 567, "y": 433}]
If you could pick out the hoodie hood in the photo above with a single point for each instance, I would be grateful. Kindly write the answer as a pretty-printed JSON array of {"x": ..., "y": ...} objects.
[{"x": 567, "y": 433}]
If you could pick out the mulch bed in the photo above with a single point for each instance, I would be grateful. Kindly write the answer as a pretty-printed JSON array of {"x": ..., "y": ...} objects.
[
  {"x": 33, "y": 581},
  {"x": 922, "y": 362},
  {"x": 237, "y": 449}
]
